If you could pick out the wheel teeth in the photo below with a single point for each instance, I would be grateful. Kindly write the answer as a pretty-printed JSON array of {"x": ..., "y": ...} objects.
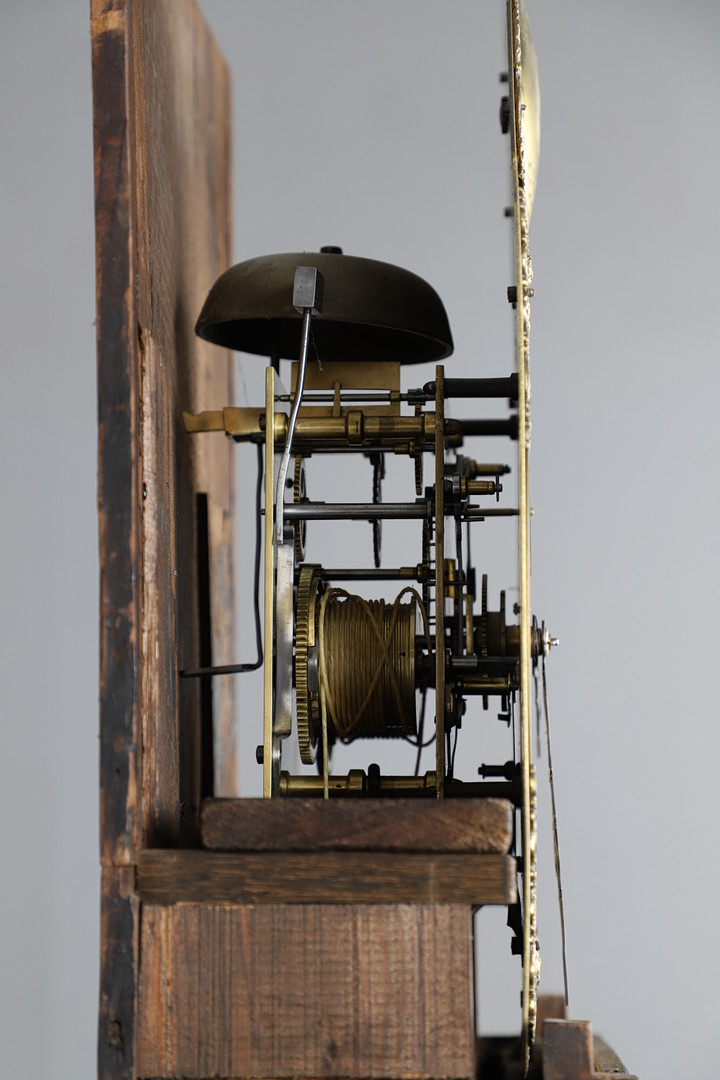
[
  {"x": 426, "y": 562},
  {"x": 378, "y": 474},
  {"x": 418, "y": 456},
  {"x": 298, "y": 494},
  {"x": 306, "y": 741}
]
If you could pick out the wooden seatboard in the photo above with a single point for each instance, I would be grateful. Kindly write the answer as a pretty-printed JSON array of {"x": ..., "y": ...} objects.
[
  {"x": 405, "y": 825},
  {"x": 306, "y": 992},
  {"x": 331, "y": 877}
]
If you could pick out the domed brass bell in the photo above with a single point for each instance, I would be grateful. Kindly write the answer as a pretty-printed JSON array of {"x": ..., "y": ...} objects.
[{"x": 368, "y": 310}]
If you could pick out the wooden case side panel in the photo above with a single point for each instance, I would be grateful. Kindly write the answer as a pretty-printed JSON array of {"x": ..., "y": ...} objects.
[
  {"x": 119, "y": 926},
  {"x": 154, "y": 55},
  {"x": 314, "y": 991},
  {"x": 119, "y": 480},
  {"x": 162, "y": 161},
  {"x": 181, "y": 140}
]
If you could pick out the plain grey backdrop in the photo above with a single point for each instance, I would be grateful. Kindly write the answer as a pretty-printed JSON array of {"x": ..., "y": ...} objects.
[{"x": 374, "y": 126}]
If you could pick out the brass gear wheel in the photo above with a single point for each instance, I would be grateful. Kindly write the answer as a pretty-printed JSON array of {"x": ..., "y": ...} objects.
[
  {"x": 299, "y": 495},
  {"x": 426, "y": 542},
  {"x": 306, "y": 700},
  {"x": 417, "y": 454},
  {"x": 378, "y": 461},
  {"x": 483, "y": 635},
  {"x": 483, "y": 627}
]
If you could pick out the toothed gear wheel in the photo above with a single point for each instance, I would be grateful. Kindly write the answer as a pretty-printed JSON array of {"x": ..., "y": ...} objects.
[
  {"x": 306, "y": 703},
  {"x": 418, "y": 459},
  {"x": 378, "y": 477},
  {"x": 483, "y": 651},
  {"x": 418, "y": 462},
  {"x": 482, "y": 637},
  {"x": 299, "y": 495},
  {"x": 426, "y": 542}
]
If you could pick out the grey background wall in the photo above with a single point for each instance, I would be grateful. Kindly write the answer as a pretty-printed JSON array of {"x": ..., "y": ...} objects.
[{"x": 374, "y": 126}]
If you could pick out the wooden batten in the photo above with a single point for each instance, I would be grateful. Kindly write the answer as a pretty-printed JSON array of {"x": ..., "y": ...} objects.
[{"x": 330, "y": 877}]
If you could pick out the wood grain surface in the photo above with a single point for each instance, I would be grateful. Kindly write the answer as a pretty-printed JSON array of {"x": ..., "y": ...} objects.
[
  {"x": 162, "y": 198},
  {"x": 332, "y": 877},
  {"x": 162, "y": 182},
  {"x": 313, "y": 991},
  {"x": 181, "y": 140},
  {"x": 119, "y": 469},
  {"x": 407, "y": 825},
  {"x": 119, "y": 959},
  {"x": 568, "y": 1053}
]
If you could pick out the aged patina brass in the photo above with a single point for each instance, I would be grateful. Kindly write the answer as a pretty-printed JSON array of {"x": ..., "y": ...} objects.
[
  {"x": 358, "y": 782},
  {"x": 524, "y": 123},
  {"x": 354, "y": 428},
  {"x": 369, "y": 311}
]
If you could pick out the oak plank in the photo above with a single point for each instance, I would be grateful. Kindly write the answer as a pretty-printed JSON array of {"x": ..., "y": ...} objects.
[
  {"x": 119, "y": 479},
  {"x": 407, "y": 825},
  {"x": 317, "y": 991},
  {"x": 162, "y": 235},
  {"x": 182, "y": 188},
  {"x": 162, "y": 181},
  {"x": 206, "y": 877},
  {"x": 119, "y": 927}
]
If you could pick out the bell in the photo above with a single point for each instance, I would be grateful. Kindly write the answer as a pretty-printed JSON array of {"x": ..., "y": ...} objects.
[{"x": 368, "y": 310}]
